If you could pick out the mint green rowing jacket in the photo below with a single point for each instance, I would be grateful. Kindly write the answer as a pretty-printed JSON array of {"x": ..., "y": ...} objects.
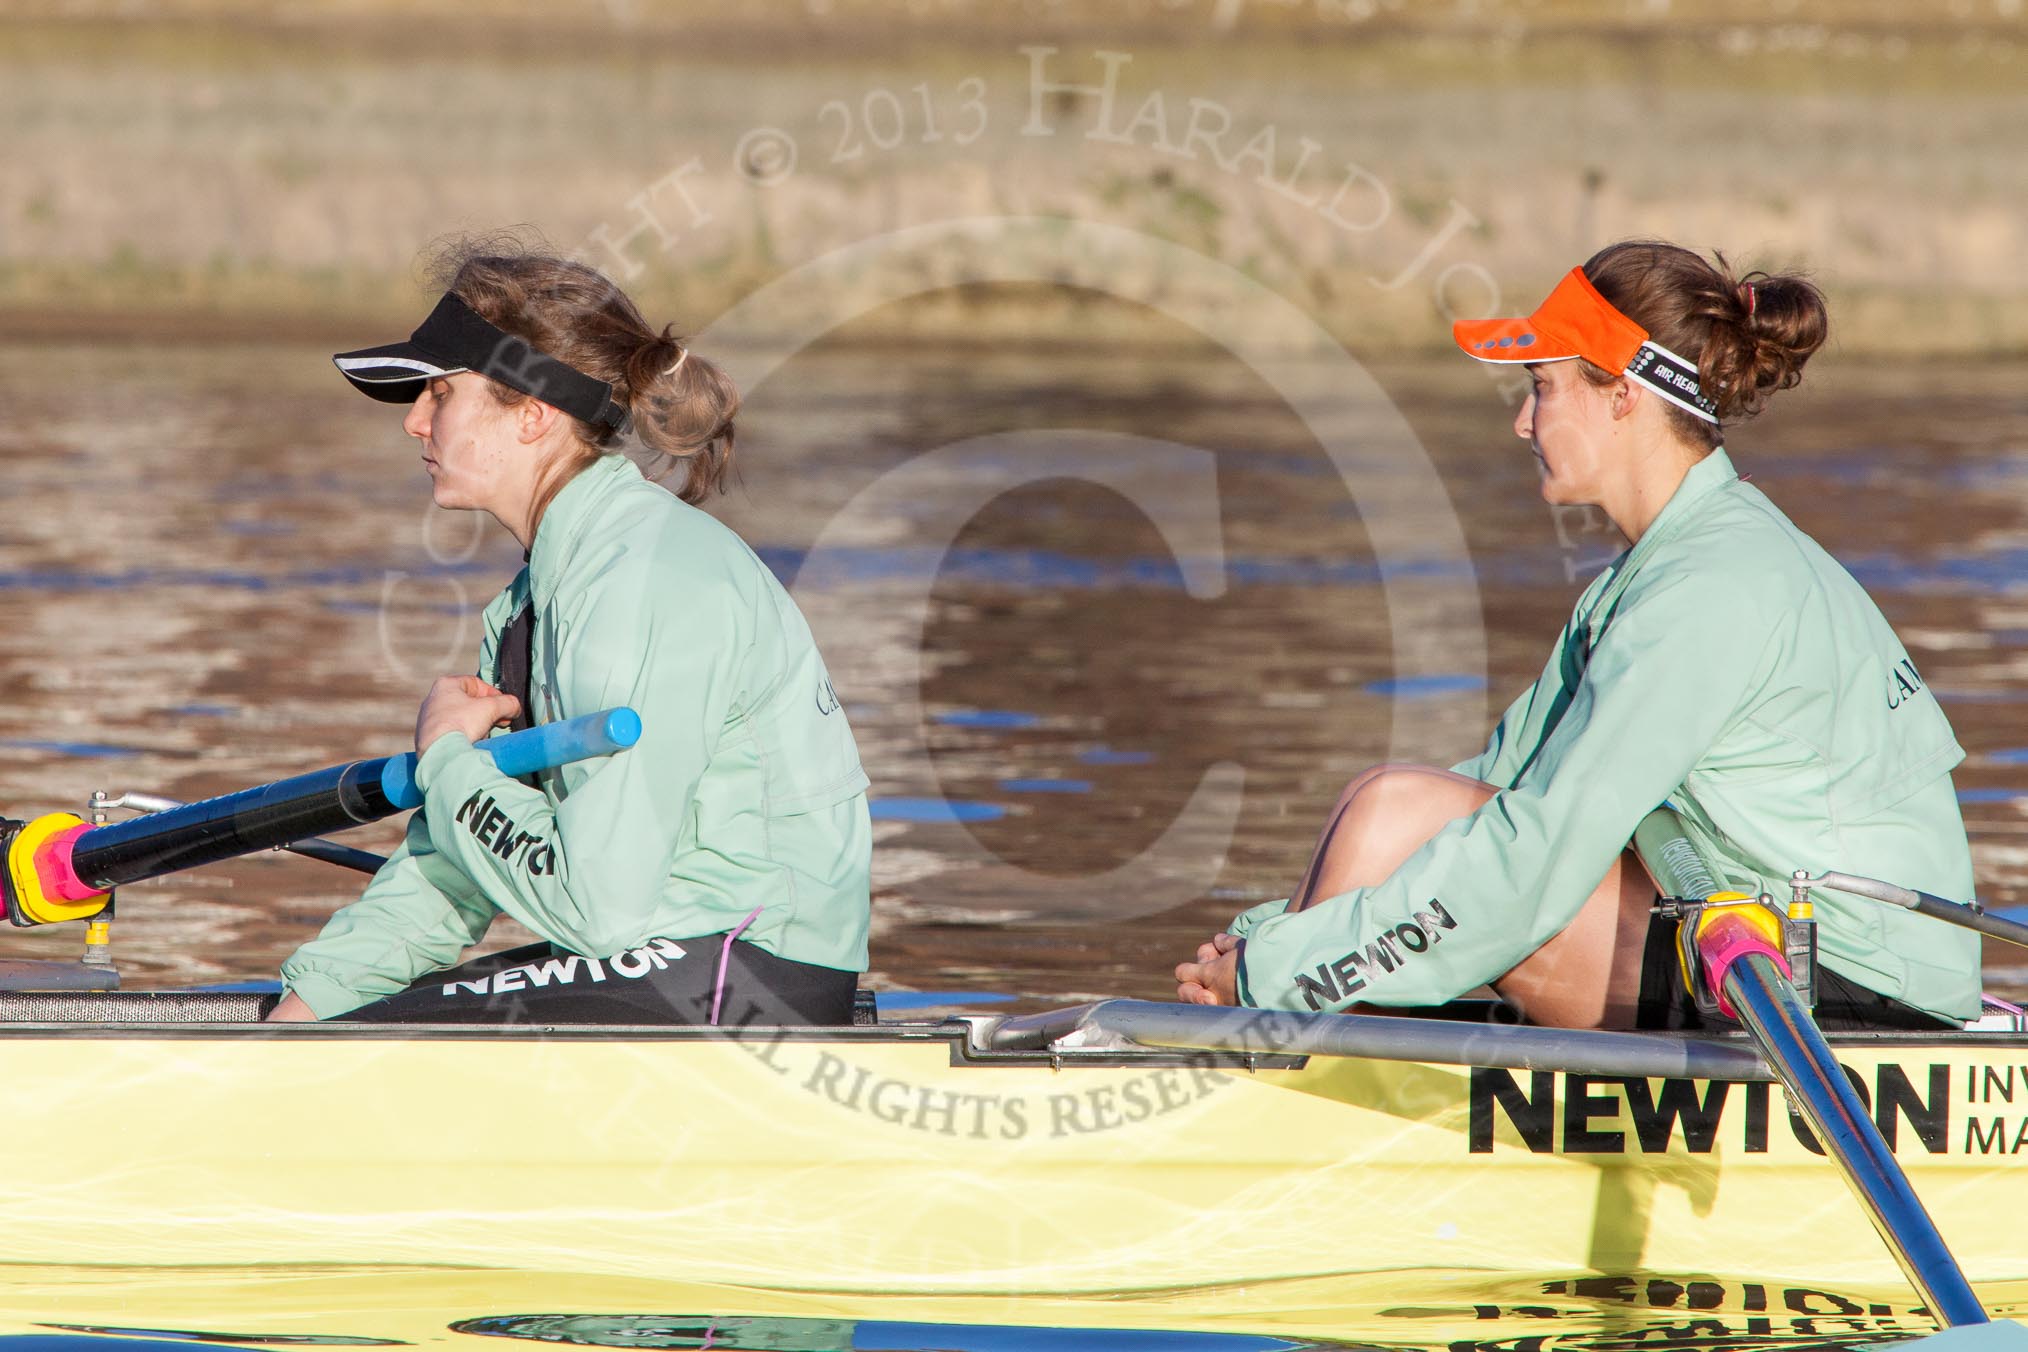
[
  {"x": 1725, "y": 665},
  {"x": 745, "y": 790}
]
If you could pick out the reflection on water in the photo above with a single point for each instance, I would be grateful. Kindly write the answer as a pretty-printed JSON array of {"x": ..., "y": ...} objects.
[
  {"x": 1106, "y": 717},
  {"x": 1452, "y": 1311},
  {"x": 677, "y": 1333}
]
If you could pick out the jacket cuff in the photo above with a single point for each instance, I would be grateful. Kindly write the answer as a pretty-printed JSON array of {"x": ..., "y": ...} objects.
[
  {"x": 1240, "y": 989},
  {"x": 1243, "y": 923},
  {"x": 440, "y": 753},
  {"x": 326, "y": 996}
]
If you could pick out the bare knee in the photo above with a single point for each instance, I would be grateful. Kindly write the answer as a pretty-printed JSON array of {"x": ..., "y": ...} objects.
[
  {"x": 1358, "y": 782},
  {"x": 1387, "y": 781},
  {"x": 1417, "y": 793},
  {"x": 1386, "y": 814}
]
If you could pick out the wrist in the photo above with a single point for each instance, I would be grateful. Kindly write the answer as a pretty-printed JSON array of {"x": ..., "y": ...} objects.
[
  {"x": 321, "y": 995},
  {"x": 428, "y": 735},
  {"x": 443, "y": 748}
]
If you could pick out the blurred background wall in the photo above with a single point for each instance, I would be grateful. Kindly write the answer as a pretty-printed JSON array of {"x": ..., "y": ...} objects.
[{"x": 233, "y": 167}]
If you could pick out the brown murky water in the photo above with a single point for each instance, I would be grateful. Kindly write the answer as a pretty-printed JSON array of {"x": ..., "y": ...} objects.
[{"x": 1112, "y": 628}]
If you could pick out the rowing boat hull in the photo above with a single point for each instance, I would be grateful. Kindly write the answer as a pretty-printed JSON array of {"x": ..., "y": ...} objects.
[{"x": 876, "y": 1159}]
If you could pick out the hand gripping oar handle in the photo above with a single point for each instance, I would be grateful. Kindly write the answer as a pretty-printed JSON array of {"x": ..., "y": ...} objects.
[
  {"x": 529, "y": 752},
  {"x": 60, "y": 869}
]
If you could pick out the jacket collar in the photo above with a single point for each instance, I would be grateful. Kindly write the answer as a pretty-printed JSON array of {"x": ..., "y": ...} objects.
[
  {"x": 569, "y": 513},
  {"x": 1705, "y": 478}
]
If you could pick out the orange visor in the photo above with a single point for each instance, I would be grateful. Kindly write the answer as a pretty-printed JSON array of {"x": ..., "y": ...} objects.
[{"x": 1576, "y": 321}]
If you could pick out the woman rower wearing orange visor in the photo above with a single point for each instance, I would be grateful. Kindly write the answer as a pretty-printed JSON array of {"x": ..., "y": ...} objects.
[{"x": 1724, "y": 664}]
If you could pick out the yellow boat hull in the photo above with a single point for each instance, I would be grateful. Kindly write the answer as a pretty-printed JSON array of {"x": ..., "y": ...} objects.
[{"x": 877, "y": 1161}]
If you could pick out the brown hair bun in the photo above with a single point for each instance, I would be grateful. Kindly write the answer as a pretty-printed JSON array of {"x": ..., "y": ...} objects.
[{"x": 1749, "y": 336}]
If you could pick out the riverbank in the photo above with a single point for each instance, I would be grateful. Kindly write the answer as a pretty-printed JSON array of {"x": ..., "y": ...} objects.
[{"x": 234, "y": 169}]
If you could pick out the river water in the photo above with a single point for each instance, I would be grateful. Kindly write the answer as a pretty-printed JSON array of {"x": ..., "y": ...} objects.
[{"x": 1113, "y": 629}]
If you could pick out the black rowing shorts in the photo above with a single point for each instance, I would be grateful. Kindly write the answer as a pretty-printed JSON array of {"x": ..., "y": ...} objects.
[
  {"x": 1843, "y": 1005},
  {"x": 665, "y": 981}
]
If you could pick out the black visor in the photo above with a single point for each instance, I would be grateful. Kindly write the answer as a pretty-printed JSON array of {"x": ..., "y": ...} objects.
[{"x": 455, "y": 338}]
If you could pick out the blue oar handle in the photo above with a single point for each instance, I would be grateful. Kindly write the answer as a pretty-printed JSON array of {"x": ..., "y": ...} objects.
[{"x": 526, "y": 753}]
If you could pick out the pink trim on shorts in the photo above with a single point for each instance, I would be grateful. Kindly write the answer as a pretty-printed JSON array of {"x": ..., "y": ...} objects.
[{"x": 725, "y": 957}]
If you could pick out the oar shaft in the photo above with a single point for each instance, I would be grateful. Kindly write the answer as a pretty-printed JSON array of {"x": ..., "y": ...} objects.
[
  {"x": 272, "y": 815},
  {"x": 1740, "y": 951},
  {"x": 253, "y": 819},
  {"x": 1816, "y": 1085}
]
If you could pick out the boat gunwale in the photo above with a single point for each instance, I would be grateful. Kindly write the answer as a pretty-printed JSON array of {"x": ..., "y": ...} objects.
[
  {"x": 1117, "y": 1033},
  {"x": 955, "y": 1035},
  {"x": 1728, "y": 1056}
]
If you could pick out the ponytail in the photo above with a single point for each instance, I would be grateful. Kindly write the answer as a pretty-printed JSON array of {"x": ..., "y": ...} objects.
[{"x": 682, "y": 405}]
